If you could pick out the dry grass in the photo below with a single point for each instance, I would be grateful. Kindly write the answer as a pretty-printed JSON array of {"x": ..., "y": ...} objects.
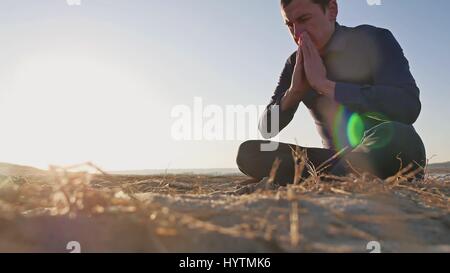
[{"x": 193, "y": 208}]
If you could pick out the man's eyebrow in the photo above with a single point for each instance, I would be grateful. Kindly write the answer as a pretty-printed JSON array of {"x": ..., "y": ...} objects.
[{"x": 300, "y": 18}]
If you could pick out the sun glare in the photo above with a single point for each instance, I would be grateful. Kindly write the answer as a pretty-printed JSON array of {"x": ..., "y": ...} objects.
[{"x": 63, "y": 110}]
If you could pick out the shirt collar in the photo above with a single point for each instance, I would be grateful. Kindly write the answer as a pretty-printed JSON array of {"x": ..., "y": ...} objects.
[{"x": 337, "y": 41}]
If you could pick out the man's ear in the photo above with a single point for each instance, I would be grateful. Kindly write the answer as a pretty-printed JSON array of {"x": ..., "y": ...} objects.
[{"x": 333, "y": 10}]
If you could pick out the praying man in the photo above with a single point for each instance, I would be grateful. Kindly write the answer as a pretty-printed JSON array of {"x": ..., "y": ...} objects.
[{"x": 357, "y": 85}]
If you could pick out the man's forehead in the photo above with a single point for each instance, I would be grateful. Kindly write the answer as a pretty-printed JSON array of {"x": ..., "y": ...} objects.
[{"x": 297, "y": 8}]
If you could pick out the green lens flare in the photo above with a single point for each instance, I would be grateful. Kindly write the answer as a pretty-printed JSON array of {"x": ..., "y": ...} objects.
[
  {"x": 349, "y": 129},
  {"x": 338, "y": 120},
  {"x": 355, "y": 130},
  {"x": 383, "y": 136}
]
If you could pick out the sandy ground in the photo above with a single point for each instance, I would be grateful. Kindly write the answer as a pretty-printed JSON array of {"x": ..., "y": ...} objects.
[{"x": 188, "y": 213}]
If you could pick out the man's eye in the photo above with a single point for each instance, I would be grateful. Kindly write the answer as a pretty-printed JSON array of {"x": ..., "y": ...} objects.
[{"x": 304, "y": 20}]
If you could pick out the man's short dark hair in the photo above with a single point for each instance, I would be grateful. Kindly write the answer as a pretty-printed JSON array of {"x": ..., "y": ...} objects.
[{"x": 322, "y": 3}]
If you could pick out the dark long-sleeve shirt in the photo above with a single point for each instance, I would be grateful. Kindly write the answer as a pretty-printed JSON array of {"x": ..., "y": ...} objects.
[{"x": 373, "y": 84}]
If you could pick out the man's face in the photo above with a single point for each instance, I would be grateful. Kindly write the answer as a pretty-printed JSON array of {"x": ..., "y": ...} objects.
[{"x": 304, "y": 15}]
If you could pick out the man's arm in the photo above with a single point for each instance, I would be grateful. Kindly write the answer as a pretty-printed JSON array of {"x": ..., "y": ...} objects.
[
  {"x": 290, "y": 91},
  {"x": 394, "y": 94}
]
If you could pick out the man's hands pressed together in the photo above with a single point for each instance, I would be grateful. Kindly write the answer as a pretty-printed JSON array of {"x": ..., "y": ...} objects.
[
  {"x": 309, "y": 72},
  {"x": 315, "y": 70},
  {"x": 299, "y": 84}
]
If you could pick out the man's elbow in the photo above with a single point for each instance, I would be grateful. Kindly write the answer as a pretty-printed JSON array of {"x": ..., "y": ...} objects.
[
  {"x": 269, "y": 124},
  {"x": 265, "y": 129}
]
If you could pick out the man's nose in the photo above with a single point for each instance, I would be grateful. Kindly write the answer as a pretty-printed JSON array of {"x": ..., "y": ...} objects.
[{"x": 298, "y": 30}]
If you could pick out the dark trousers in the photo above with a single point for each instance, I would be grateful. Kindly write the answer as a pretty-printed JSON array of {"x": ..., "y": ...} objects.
[{"x": 383, "y": 151}]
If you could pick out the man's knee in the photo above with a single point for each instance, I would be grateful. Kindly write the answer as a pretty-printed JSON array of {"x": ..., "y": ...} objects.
[
  {"x": 402, "y": 126},
  {"x": 392, "y": 133},
  {"x": 398, "y": 128},
  {"x": 247, "y": 152},
  {"x": 395, "y": 145},
  {"x": 407, "y": 137}
]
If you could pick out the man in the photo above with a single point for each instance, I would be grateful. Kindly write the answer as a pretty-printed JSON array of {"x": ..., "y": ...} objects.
[{"x": 357, "y": 85}]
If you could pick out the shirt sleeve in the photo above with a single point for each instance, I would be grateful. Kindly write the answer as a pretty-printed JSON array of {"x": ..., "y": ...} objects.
[
  {"x": 266, "y": 126},
  {"x": 394, "y": 95}
]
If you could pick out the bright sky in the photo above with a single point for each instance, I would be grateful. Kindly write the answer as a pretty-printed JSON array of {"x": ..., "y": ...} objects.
[{"x": 98, "y": 82}]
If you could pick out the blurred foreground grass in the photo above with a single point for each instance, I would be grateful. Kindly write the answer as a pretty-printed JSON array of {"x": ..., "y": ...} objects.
[{"x": 41, "y": 211}]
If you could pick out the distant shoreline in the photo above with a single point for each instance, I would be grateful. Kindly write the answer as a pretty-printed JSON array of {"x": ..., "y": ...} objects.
[
  {"x": 215, "y": 171},
  {"x": 15, "y": 169},
  {"x": 433, "y": 168}
]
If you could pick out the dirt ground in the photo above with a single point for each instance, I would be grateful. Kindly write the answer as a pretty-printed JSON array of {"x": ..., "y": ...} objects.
[{"x": 44, "y": 211}]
